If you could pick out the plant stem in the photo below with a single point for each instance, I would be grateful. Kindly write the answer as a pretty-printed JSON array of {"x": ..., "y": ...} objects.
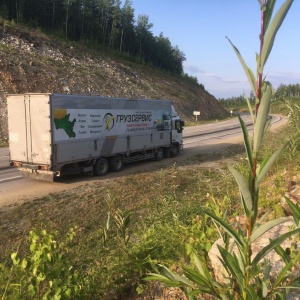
[{"x": 250, "y": 221}]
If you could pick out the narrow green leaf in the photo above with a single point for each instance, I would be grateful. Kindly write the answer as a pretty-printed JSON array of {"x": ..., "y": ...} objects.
[
  {"x": 280, "y": 251},
  {"x": 199, "y": 265},
  {"x": 227, "y": 228},
  {"x": 268, "y": 125},
  {"x": 295, "y": 210},
  {"x": 267, "y": 271},
  {"x": 108, "y": 221},
  {"x": 254, "y": 291},
  {"x": 166, "y": 272},
  {"x": 287, "y": 267},
  {"x": 204, "y": 272},
  {"x": 230, "y": 262},
  {"x": 196, "y": 277},
  {"x": 267, "y": 164},
  {"x": 249, "y": 108},
  {"x": 262, "y": 219},
  {"x": 259, "y": 231},
  {"x": 272, "y": 30},
  {"x": 217, "y": 227},
  {"x": 247, "y": 198},
  {"x": 173, "y": 276},
  {"x": 265, "y": 289},
  {"x": 247, "y": 142},
  {"x": 199, "y": 291},
  {"x": 269, "y": 12},
  {"x": 241, "y": 262},
  {"x": 161, "y": 278},
  {"x": 295, "y": 283},
  {"x": 272, "y": 245},
  {"x": 262, "y": 117},
  {"x": 249, "y": 73}
]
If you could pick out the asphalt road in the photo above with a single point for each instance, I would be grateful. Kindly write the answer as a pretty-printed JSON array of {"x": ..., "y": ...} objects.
[{"x": 197, "y": 139}]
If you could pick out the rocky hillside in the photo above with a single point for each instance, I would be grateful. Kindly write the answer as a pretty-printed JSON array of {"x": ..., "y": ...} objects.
[{"x": 31, "y": 61}]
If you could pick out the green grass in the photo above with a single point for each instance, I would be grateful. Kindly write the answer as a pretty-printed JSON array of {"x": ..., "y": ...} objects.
[{"x": 165, "y": 215}]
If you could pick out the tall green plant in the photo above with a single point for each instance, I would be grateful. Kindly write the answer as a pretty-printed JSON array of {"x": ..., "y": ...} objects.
[{"x": 246, "y": 276}]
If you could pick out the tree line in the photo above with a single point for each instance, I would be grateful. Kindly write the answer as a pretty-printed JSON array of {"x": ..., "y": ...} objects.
[
  {"x": 282, "y": 92},
  {"x": 104, "y": 23},
  {"x": 236, "y": 101},
  {"x": 287, "y": 91}
]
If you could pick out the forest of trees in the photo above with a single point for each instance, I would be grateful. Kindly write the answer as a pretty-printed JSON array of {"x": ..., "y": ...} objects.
[
  {"x": 287, "y": 91},
  {"x": 104, "y": 23},
  {"x": 282, "y": 92},
  {"x": 236, "y": 101}
]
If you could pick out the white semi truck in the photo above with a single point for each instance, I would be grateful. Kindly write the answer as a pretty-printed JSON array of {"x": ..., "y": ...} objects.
[{"x": 51, "y": 135}]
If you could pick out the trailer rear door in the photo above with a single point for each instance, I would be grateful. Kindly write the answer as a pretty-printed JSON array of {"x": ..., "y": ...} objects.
[{"x": 29, "y": 128}]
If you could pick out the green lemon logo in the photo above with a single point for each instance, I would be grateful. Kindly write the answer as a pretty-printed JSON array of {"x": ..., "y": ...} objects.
[{"x": 109, "y": 121}]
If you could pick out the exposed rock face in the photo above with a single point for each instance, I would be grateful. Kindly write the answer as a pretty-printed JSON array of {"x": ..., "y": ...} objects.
[{"x": 31, "y": 62}]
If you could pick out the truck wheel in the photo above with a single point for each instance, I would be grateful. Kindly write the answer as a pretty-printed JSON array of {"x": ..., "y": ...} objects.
[
  {"x": 167, "y": 153},
  {"x": 159, "y": 155},
  {"x": 101, "y": 167},
  {"x": 174, "y": 151},
  {"x": 116, "y": 163}
]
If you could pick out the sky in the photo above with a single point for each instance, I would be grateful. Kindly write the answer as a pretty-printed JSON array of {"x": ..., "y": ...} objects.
[{"x": 200, "y": 27}]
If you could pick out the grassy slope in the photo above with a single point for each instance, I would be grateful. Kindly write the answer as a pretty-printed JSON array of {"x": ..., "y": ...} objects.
[{"x": 154, "y": 198}]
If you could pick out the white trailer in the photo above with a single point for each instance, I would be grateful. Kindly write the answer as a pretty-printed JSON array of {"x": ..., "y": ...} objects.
[{"x": 51, "y": 135}]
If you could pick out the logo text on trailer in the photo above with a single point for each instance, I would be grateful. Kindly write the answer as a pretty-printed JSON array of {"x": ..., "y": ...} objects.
[{"x": 134, "y": 118}]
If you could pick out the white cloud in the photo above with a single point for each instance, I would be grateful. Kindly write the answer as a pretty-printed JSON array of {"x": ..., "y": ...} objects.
[
  {"x": 286, "y": 78},
  {"x": 219, "y": 86},
  {"x": 226, "y": 87},
  {"x": 191, "y": 69}
]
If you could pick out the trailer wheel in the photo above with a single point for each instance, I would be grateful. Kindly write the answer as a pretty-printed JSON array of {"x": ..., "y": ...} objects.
[
  {"x": 116, "y": 163},
  {"x": 174, "y": 151},
  {"x": 159, "y": 155},
  {"x": 167, "y": 153},
  {"x": 101, "y": 167}
]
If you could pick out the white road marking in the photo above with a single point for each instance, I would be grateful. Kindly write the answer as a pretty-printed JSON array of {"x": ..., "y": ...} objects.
[{"x": 10, "y": 178}]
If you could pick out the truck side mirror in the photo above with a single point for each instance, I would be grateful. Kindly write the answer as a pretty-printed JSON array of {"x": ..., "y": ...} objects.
[{"x": 178, "y": 126}]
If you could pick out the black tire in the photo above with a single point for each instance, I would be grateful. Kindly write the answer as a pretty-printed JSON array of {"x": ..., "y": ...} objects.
[
  {"x": 101, "y": 167},
  {"x": 159, "y": 155},
  {"x": 174, "y": 151},
  {"x": 167, "y": 153},
  {"x": 116, "y": 163}
]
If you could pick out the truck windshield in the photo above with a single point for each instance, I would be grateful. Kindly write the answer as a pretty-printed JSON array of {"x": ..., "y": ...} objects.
[{"x": 166, "y": 117}]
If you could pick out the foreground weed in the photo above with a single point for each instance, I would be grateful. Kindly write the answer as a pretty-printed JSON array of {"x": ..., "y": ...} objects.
[
  {"x": 246, "y": 276},
  {"x": 47, "y": 272}
]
